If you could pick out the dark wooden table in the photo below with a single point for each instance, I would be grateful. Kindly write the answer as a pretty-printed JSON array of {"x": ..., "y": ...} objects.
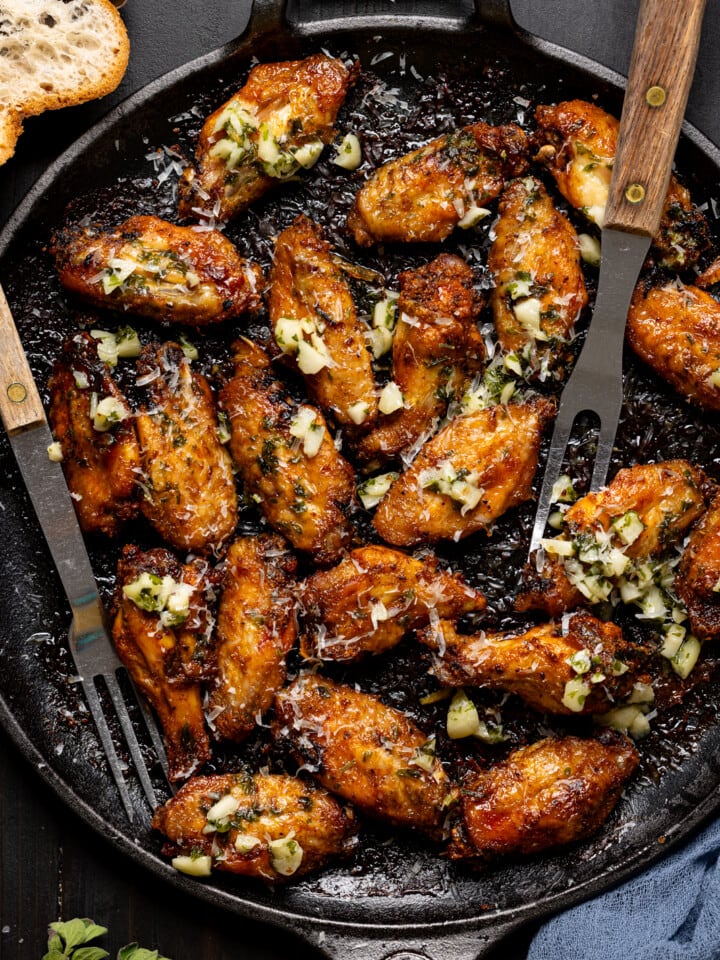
[{"x": 50, "y": 865}]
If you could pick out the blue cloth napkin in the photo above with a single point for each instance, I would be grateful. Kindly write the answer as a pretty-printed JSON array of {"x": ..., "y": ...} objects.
[{"x": 670, "y": 912}]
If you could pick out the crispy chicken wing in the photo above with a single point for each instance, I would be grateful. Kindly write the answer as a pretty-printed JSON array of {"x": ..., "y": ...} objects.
[
  {"x": 642, "y": 512},
  {"x": 287, "y": 459},
  {"x": 365, "y": 752},
  {"x": 577, "y": 143},
  {"x": 268, "y": 826},
  {"x": 424, "y": 195},
  {"x": 373, "y": 597},
  {"x": 271, "y": 128},
  {"x": 548, "y": 794},
  {"x": 478, "y": 467},
  {"x": 675, "y": 329},
  {"x": 190, "y": 495},
  {"x": 100, "y": 453},
  {"x": 162, "y": 632},
  {"x": 539, "y": 287},
  {"x": 436, "y": 348},
  {"x": 698, "y": 578},
  {"x": 314, "y": 319},
  {"x": 537, "y": 665},
  {"x": 255, "y": 629},
  {"x": 156, "y": 269}
]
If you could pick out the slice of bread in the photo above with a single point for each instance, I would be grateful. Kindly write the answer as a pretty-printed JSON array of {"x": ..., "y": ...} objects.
[{"x": 55, "y": 53}]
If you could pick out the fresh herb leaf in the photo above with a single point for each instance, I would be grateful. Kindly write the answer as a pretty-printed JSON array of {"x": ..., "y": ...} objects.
[
  {"x": 89, "y": 953},
  {"x": 134, "y": 952},
  {"x": 70, "y": 935},
  {"x": 68, "y": 941}
]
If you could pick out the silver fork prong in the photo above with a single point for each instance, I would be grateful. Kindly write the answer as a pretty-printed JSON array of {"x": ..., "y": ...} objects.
[
  {"x": 561, "y": 434},
  {"x": 606, "y": 439},
  {"x": 157, "y": 740},
  {"x": 106, "y": 740},
  {"x": 130, "y": 738}
]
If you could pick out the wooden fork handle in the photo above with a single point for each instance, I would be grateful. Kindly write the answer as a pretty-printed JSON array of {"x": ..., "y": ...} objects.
[
  {"x": 661, "y": 72},
  {"x": 20, "y": 404}
]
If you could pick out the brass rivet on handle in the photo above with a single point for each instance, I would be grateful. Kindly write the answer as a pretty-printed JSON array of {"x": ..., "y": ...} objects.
[
  {"x": 635, "y": 193},
  {"x": 16, "y": 393},
  {"x": 656, "y": 96}
]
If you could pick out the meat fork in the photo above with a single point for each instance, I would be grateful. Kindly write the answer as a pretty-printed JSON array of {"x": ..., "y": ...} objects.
[
  {"x": 662, "y": 65},
  {"x": 92, "y": 651}
]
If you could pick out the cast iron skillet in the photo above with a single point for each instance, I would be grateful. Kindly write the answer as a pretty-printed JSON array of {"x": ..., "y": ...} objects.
[{"x": 397, "y": 899}]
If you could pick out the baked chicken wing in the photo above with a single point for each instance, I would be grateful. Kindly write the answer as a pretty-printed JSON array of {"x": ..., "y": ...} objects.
[
  {"x": 162, "y": 631},
  {"x": 577, "y": 143},
  {"x": 94, "y": 426},
  {"x": 188, "y": 481},
  {"x": 478, "y": 467},
  {"x": 539, "y": 287},
  {"x": 255, "y": 629},
  {"x": 373, "y": 597},
  {"x": 365, "y": 752},
  {"x": 436, "y": 348},
  {"x": 156, "y": 269},
  {"x": 287, "y": 459},
  {"x": 267, "y": 826},
  {"x": 314, "y": 320},
  {"x": 425, "y": 194},
  {"x": 539, "y": 664},
  {"x": 675, "y": 329},
  {"x": 698, "y": 578},
  {"x": 270, "y": 129},
  {"x": 643, "y": 511},
  {"x": 546, "y": 795}
]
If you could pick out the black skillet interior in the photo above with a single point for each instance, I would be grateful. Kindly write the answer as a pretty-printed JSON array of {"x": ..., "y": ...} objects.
[{"x": 416, "y": 82}]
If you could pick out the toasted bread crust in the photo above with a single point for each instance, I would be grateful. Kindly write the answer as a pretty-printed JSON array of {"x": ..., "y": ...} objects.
[{"x": 35, "y": 72}]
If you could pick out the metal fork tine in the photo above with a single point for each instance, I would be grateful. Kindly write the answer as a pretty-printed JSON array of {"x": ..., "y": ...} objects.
[
  {"x": 157, "y": 740},
  {"x": 130, "y": 738},
  {"x": 108, "y": 746},
  {"x": 561, "y": 434},
  {"x": 606, "y": 438}
]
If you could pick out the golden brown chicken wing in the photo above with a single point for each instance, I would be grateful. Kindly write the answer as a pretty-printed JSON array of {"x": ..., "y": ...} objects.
[
  {"x": 643, "y": 511},
  {"x": 268, "y": 826},
  {"x": 373, "y": 597},
  {"x": 100, "y": 453},
  {"x": 539, "y": 287},
  {"x": 314, "y": 320},
  {"x": 190, "y": 495},
  {"x": 675, "y": 329},
  {"x": 255, "y": 629},
  {"x": 436, "y": 348},
  {"x": 478, "y": 467},
  {"x": 365, "y": 752},
  {"x": 424, "y": 195},
  {"x": 156, "y": 269},
  {"x": 546, "y": 795},
  {"x": 271, "y": 128},
  {"x": 577, "y": 143},
  {"x": 287, "y": 459},
  {"x": 162, "y": 633},
  {"x": 538, "y": 665},
  {"x": 698, "y": 578}
]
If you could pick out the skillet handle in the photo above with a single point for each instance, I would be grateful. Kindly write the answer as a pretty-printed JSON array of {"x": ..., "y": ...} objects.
[
  {"x": 266, "y": 16},
  {"x": 449, "y": 945},
  {"x": 314, "y": 17},
  {"x": 497, "y": 13}
]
